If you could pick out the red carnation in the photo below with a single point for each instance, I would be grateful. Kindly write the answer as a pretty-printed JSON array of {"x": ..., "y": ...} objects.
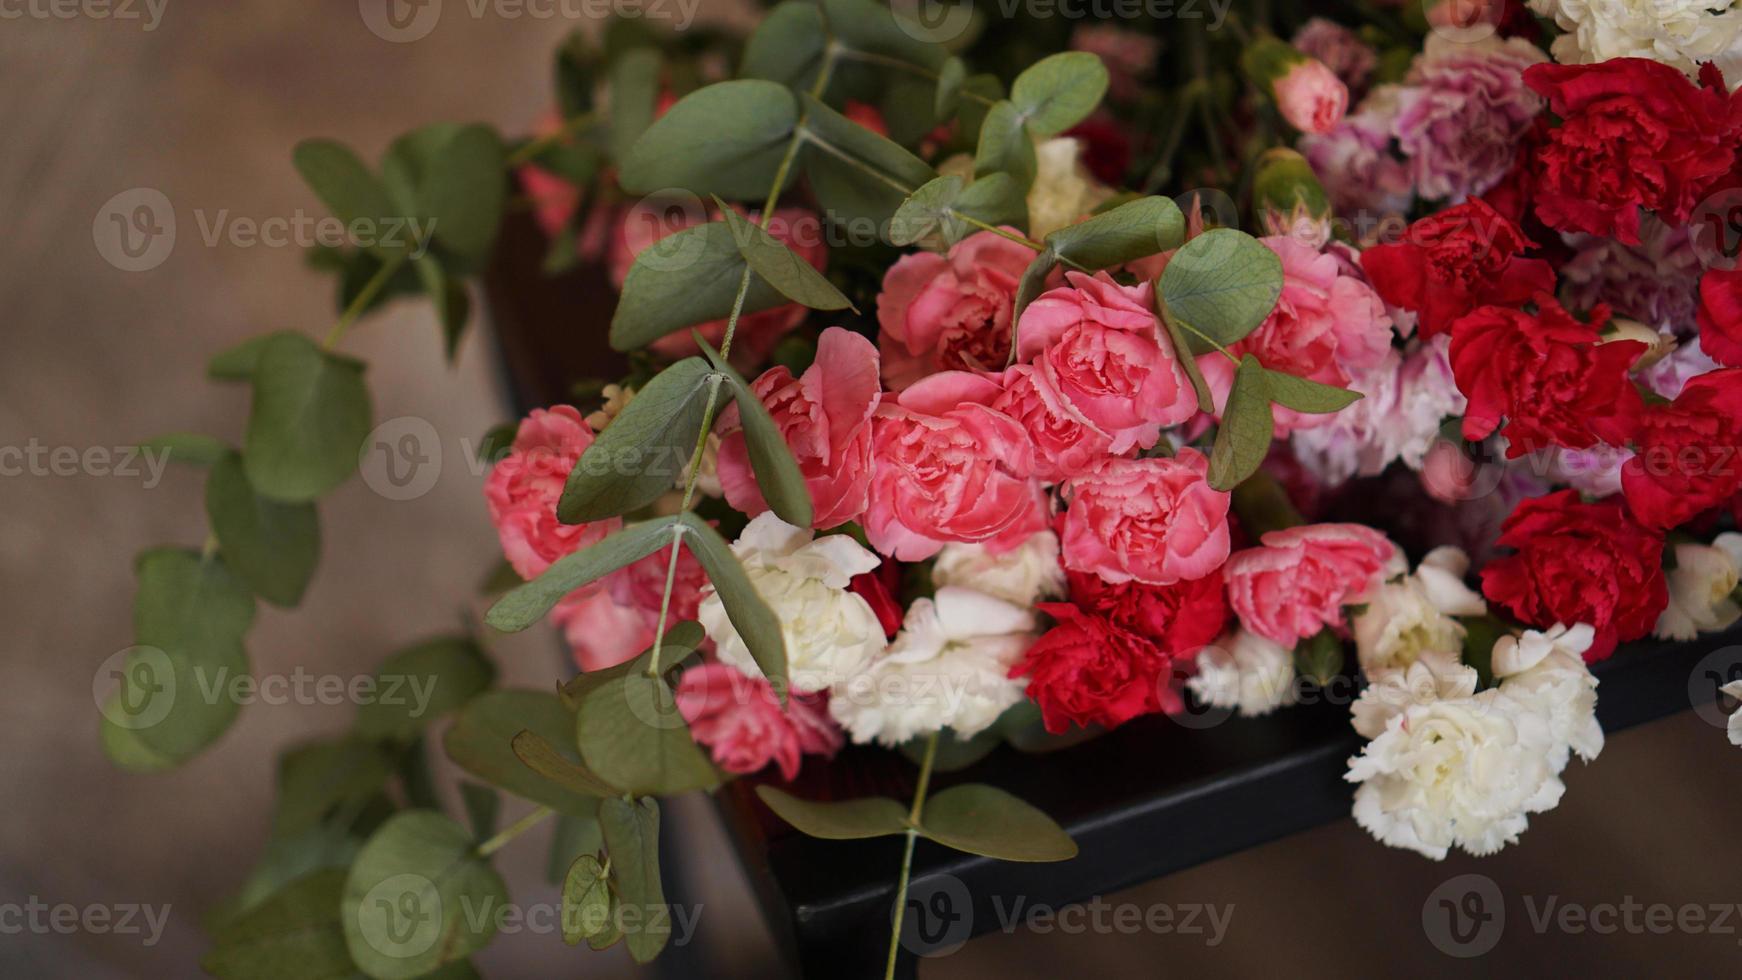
[
  {"x": 1179, "y": 618},
  {"x": 1579, "y": 563},
  {"x": 1455, "y": 261},
  {"x": 1633, "y": 133},
  {"x": 1686, "y": 452},
  {"x": 1720, "y": 316},
  {"x": 1547, "y": 375},
  {"x": 1088, "y": 671}
]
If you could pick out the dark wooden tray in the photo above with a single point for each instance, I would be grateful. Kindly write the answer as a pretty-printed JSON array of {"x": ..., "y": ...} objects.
[{"x": 1156, "y": 796}]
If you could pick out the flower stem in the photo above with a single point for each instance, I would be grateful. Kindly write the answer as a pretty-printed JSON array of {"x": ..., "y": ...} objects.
[
  {"x": 913, "y": 815},
  {"x": 363, "y": 298},
  {"x": 514, "y": 830}
]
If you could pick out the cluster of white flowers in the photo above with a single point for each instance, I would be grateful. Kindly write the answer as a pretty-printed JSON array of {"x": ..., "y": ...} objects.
[
  {"x": 1024, "y": 575},
  {"x": 1702, "y": 588},
  {"x": 1246, "y": 672},
  {"x": 1449, "y": 766},
  {"x": 1681, "y": 33},
  {"x": 1408, "y": 617},
  {"x": 831, "y": 634}
]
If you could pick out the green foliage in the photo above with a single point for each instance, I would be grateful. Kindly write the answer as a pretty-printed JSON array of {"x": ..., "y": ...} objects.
[
  {"x": 787, "y": 47},
  {"x": 528, "y": 604},
  {"x": 1059, "y": 91},
  {"x": 634, "y": 94},
  {"x": 687, "y": 278},
  {"x": 939, "y": 208},
  {"x": 1243, "y": 439},
  {"x": 318, "y": 778},
  {"x": 725, "y": 139},
  {"x": 272, "y": 547},
  {"x": 985, "y": 820},
  {"x": 777, "y": 472},
  {"x": 538, "y": 754},
  {"x": 586, "y": 900},
  {"x": 632, "y": 838},
  {"x": 421, "y": 684},
  {"x": 750, "y": 616},
  {"x": 1220, "y": 286},
  {"x": 311, "y": 414},
  {"x": 419, "y": 897},
  {"x": 190, "y": 448},
  {"x": 877, "y": 816},
  {"x": 776, "y": 265},
  {"x": 632, "y": 734},
  {"x": 481, "y": 741},
  {"x": 294, "y": 935},
  {"x": 856, "y": 174}
]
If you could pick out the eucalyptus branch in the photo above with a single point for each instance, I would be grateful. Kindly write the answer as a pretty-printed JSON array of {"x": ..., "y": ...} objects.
[
  {"x": 512, "y": 831},
  {"x": 873, "y": 58},
  {"x": 1018, "y": 239},
  {"x": 364, "y": 297},
  {"x": 913, "y": 815}
]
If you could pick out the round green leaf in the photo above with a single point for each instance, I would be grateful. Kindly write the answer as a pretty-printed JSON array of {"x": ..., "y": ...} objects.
[
  {"x": 586, "y": 900},
  {"x": 1059, "y": 91},
  {"x": 787, "y": 47},
  {"x": 273, "y": 547},
  {"x": 1221, "y": 284},
  {"x": 726, "y": 139},
  {"x": 632, "y": 840},
  {"x": 631, "y": 733},
  {"x": 985, "y": 820},
  {"x": 418, "y": 685},
  {"x": 481, "y": 742},
  {"x": 419, "y": 897},
  {"x": 311, "y": 414},
  {"x": 295, "y": 934},
  {"x": 641, "y": 455},
  {"x": 1005, "y": 146},
  {"x": 1247, "y": 426},
  {"x": 778, "y": 266}
]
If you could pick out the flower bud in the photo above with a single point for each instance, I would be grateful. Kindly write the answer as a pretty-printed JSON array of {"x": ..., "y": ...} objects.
[
  {"x": 1308, "y": 94},
  {"x": 1289, "y": 198},
  {"x": 1657, "y": 345}
]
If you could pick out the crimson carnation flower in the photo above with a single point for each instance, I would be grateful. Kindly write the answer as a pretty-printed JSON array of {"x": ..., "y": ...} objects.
[
  {"x": 1179, "y": 618},
  {"x": 1455, "y": 261},
  {"x": 1686, "y": 452},
  {"x": 1633, "y": 133},
  {"x": 1088, "y": 670},
  {"x": 1547, "y": 376},
  {"x": 1720, "y": 316},
  {"x": 1579, "y": 563}
]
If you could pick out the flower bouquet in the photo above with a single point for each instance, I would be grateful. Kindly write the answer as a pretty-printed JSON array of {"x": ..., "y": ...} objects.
[{"x": 999, "y": 381}]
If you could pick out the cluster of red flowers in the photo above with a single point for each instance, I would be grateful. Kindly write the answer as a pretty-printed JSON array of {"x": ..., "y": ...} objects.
[{"x": 1620, "y": 138}]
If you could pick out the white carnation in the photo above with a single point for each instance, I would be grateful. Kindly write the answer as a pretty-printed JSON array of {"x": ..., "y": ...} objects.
[
  {"x": 1701, "y": 588},
  {"x": 1680, "y": 33},
  {"x": 1430, "y": 679},
  {"x": 1246, "y": 672},
  {"x": 1063, "y": 190},
  {"x": 1023, "y": 575},
  {"x": 1462, "y": 771},
  {"x": 1734, "y": 689},
  {"x": 1408, "y": 617},
  {"x": 830, "y": 633},
  {"x": 1546, "y": 671},
  {"x": 948, "y": 667}
]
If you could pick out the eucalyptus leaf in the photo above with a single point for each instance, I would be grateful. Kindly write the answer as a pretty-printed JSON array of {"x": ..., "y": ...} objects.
[
  {"x": 634, "y": 95},
  {"x": 538, "y": 754},
  {"x": 238, "y": 363},
  {"x": 345, "y": 185},
  {"x": 1131, "y": 231},
  {"x": 995, "y": 199},
  {"x": 294, "y": 935},
  {"x": 641, "y": 455},
  {"x": 482, "y": 804},
  {"x": 1221, "y": 284},
  {"x": 750, "y": 616},
  {"x": 949, "y": 92},
  {"x": 586, "y": 900},
  {"x": 190, "y": 448},
  {"x": 679, "y": 642},
  {"x": 777, "y": 265},
  {"x": 178, "y": 692},
  {"x": 771, "y": 460},
  {"x": 685, "y": 279},
  {"x": 633, "y": 736},
  {"x": 787, "y": 47},
  {"x": 1182, "y": 346},
  {"x": 1059, "y": 91},
  {"x": 419, "y": 897},
  {"x": 726, "y": 139},
  {"x": 463, "y": 188},
  {"x": 570, "y": 838},
  {"x": 632, "y": 840},
  {"x": 453, "y": 306},
  {"x": 480, "y": 741},
  {"x": 1028, "y": 289},
  {"x": 924, "y": 212},
  {"x": 310, "y": 416},
  {"x": 875, "y": 816},
  {"x": 1243, "y": 438},
  {"x": 421, "y": 684},
  {"x": 985, "y": 820},
  {"x": 318, "y": 778},
  {"x": 979, "y": 94},
  {"x": 855, "y": 173},
  {"x": 529, "y": 603},
  {"x": 866, "y": 25},
  {"x": 1005, "y": 146},
  {"x": 1307, "y": 396},
  {"x": 272, "y": 547}
]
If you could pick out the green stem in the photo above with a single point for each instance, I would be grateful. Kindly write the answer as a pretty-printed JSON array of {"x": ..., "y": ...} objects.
[
  {"x": 913, "y": 815},
  {"x": 873, "y": 58},
  {"x": 514, "y": 830},
  {"x": 363, "y": 298},
  {"x": 1018, "y": 239},
  {"x": 853, "y": 161}
]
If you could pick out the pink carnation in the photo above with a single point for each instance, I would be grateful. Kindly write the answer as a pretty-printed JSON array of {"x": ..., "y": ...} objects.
[
  {"x": 1329, "y": 326},
  {"x": 946, "y": 467},
  {"x": 1311, "y": 97},
  {"x": 757, "y": 333},
  {"x": 1104, "y": 352},
  {"x": 1365, "y": 180},
  {"x": 1464, "y": 112},
  {"x": 741, "y": 722},
  {"x": 523, "y": 489},
  {"x": 1299, "y": 580},
  {"x": 1155, "y": 521},
  {"x": 1347, "y": 56},
  {"x": 949, "y": 313},
  {"x": 608, "y": 624},
  {"x": 1656, "y": 282},
  {"x": 825, "y": 417},
  {"x": 1065, "y": 441}
]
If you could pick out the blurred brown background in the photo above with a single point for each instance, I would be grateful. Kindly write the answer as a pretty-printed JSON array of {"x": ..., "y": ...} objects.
[{"x": 202, "y": 102}]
